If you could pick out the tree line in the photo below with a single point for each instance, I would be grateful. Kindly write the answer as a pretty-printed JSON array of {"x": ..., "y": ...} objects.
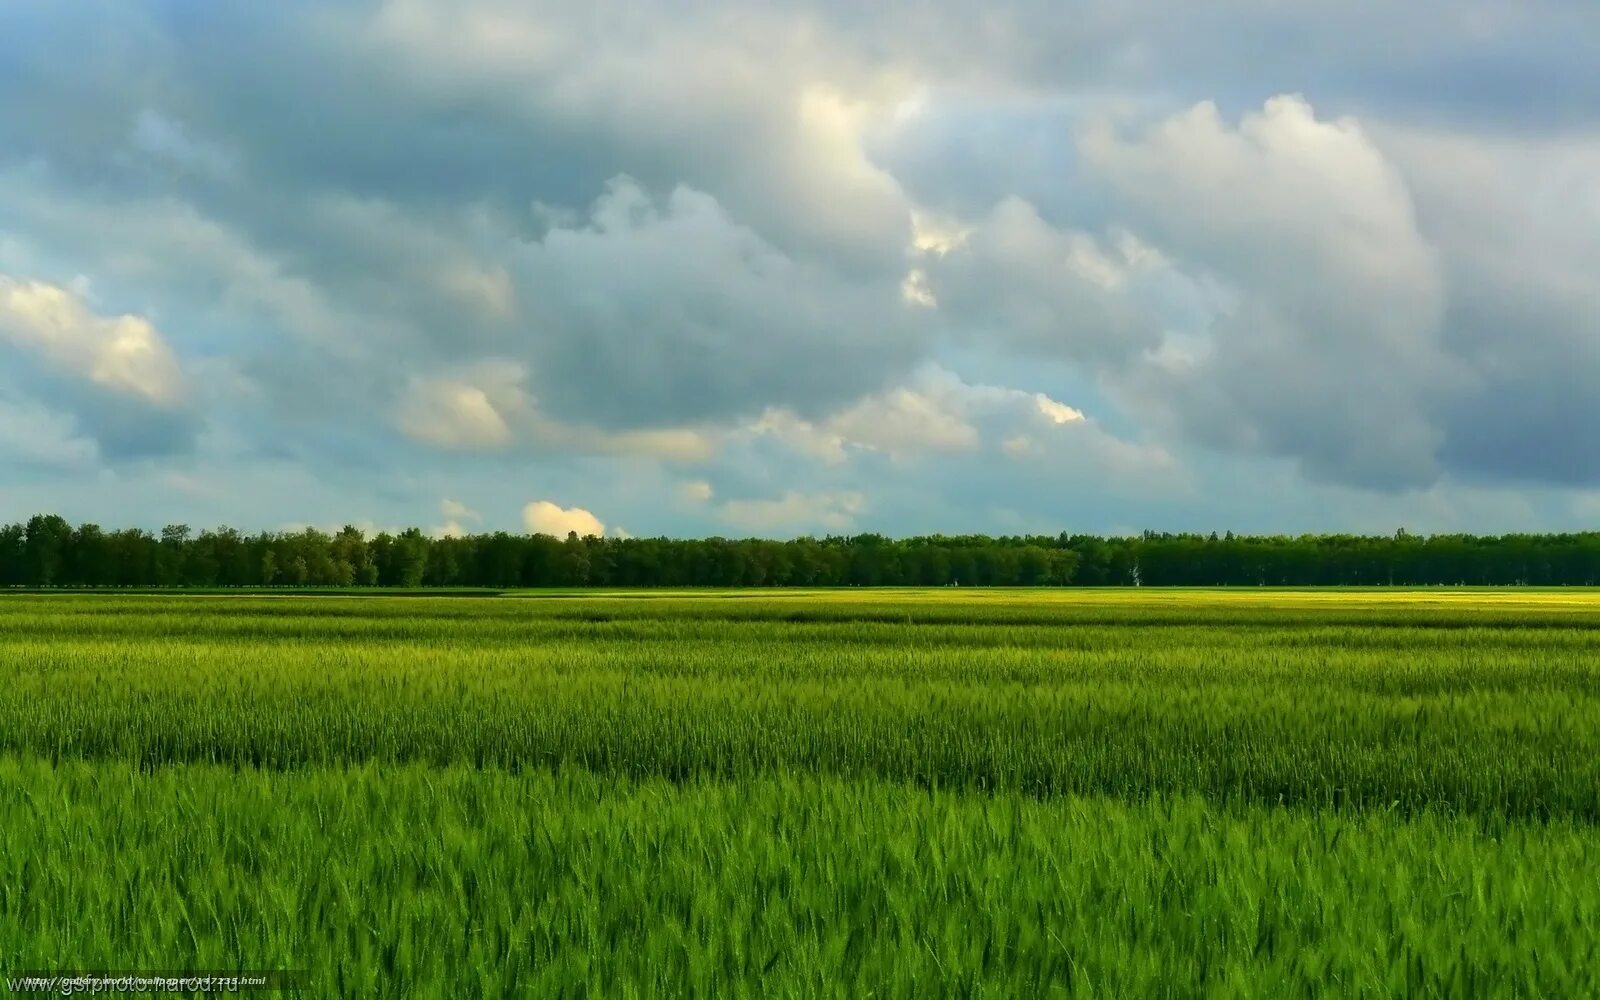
[{"x": 47, "y": 551}]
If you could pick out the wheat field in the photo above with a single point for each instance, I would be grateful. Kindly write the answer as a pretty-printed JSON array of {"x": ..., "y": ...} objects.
[{"x": 860, "y": 792}]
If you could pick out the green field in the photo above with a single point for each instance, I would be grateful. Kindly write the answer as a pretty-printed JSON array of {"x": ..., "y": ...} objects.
[{"x": 895, "y": 793}]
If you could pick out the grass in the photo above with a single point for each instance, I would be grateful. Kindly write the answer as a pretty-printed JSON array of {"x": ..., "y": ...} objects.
[
  {"x": 410, "y": 879},
  {"x": 1166, "y": 793}
]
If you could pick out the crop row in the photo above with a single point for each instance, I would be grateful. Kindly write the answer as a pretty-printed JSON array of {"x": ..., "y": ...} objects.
[
  {"x": 1490, "y": 720},
  {"x": 410, "y": 880}
]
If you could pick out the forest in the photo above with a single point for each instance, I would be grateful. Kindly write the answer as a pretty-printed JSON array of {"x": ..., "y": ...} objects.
[{"x": 47, "y": 551}]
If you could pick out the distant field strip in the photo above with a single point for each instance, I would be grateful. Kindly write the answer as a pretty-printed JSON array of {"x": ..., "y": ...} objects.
[
  {"x": 1129, "y": 793},
  {"x": 1457, "y": 707}
]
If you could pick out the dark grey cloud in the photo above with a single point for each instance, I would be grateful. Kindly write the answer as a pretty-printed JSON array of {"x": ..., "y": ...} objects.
[
  {"x": 1017, "y": 280},
  {"x": 1533, "y": 406},
  {"x": 1480, "y": 63},
  {"x": 686, "y": 315},
  {"x": 1329, "y": 351},
  {"x": 54, "y": 418},
  {"x": 1518, "y": 229}
]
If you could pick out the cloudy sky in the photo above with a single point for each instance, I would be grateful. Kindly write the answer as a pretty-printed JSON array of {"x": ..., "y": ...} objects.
[{"x": 718, "y": 267}]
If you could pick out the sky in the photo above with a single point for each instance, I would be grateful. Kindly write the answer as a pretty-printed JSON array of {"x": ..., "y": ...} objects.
[{"x": 738, "y": 267}]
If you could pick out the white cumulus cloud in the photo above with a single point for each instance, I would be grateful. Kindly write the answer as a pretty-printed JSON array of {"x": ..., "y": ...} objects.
[
  {"x": 937, "y": 413},
  {"x": 486, "y": 406},
  {"x": 541, "y": 517},
  {"x": 124, "y": 354},
  {"x": 456, "y": 510},
  {"x": 451, "y": 414},
  {"x": 457, "y": 516},
  {"x": 696, "y": 491}
]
